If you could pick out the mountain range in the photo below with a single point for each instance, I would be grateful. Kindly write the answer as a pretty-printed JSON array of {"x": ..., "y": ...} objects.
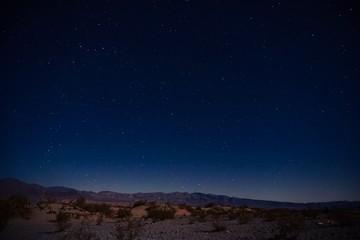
[{"x": 34, "y": 192}]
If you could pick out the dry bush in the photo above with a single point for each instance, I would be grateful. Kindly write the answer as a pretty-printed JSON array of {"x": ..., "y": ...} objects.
[
  {"x": 128, "y": 230},
  {"x": 139, "y": 203},
  {"x": 94, "y": 207},
  {"x": 5, "y": 214},
  {"x": 123, "y": 213},
  {"x": 62, "y": 221},
  {"x": 244, "y": 217},
  {"x": 274, "y": 214},
  {"x": 14, "y": 206},
  {"x": 218, "y": 225},
  {"x": 186, "y": 207},
  {"x": 80, "y": 202},
  {"x": 310, "y": 213},
  {"x": 198, "y": 214},
  {"x": 20, "y": 206},
  {"x": 216, "y": 211},
  {"x": 209, "y": 205},
  {"x": 99, "y": 219},
  {"x": 289, "y": 224},
  {"x": 341, "y": 217},
  {"x": 162, "y": 212}
]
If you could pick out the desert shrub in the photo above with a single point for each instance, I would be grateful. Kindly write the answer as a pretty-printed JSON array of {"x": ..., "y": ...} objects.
[
  {"x": 20, "y": 206},
  {"x": 51, "y": 211},
  {"x": 199, "y": 215},
  {"x": 123, "y": 213},
  {"x": 218, "y": 225},
  {"x": 274, "y": 214},
  {"x": 244, "y": 217},
  {"x": 159, "y": 213},
  {"x": 139, "y": 203},
  {"x": 42, "y": 205},
  {"x": 62, "y": 221},
  {"x": 80, "y": 202},
  {"x": 94, "y": 207},
  {"x": 342, "y": 217},
  {"x": 5, "y": 214},
  {"x": 209, "y": 205},
  {"x": 232, "y": 214},
  {"x": 186, "y": 207},
  {"x": 104, "y": 209},
  {"x": 182, "y": 206},
  {"x": 14, "y": 206},
  {"x": 216, "y": 211},
  {"x": 257, "y": 212},
  {"x": 100, "y": 208},
  {"x": 99, "y": 219},
  {"x": 310, "y": 213},
  {"x": 19, "y": 201},
  {"x": 128, "y": 230},
  {"x": 289, "y": 224}
]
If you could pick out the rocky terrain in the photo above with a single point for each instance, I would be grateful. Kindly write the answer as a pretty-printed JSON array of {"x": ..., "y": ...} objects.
[
  {"x": 81, "y": 219},
  {"x": 31, "y": 211}
]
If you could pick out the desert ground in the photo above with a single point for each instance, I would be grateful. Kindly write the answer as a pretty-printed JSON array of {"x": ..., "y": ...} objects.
[{"x": 144, "y": 220}]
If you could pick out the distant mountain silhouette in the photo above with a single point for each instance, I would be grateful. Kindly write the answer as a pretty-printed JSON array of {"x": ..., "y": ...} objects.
[{"x": 11, "y": 186}]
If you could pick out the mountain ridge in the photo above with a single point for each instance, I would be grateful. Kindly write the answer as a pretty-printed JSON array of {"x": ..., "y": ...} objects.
[{"x": 11, "y": 186}]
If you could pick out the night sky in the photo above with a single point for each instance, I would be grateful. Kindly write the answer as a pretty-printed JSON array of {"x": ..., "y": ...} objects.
[{"x": 253, "y": 99}]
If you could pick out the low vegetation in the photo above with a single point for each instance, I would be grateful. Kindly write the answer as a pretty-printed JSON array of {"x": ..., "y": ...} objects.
[
  {"x": 243, "y": 216},
  {"x": 218, "y": 225},
  {"x": 139, "y": 203},
  {"x": 186, "y": 207},
  {"x": 102, "y": 208},
  {"x": 161, "y": 212},
  {"x": 216, "y": 211},
  {"x": 128, "y": 229},
  {"x": 123, "y": 212},
  {"x": 13, "y": 207},
  {"x": 266, "y": 224},
  {"x": 62, "y": 221},
  {"x": 341, "y": 217},
  {"x": 197, "y": 214},
  {"x": 289, "y": 223},
  {"x": 99, "y": 219}
]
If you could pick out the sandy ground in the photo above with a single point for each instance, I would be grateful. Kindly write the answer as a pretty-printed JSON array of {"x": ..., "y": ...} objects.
[{"x": 41, "y": 225}]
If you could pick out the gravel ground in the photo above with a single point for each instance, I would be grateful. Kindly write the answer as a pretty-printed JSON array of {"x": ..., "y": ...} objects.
[{"x": 42, "y": 226}]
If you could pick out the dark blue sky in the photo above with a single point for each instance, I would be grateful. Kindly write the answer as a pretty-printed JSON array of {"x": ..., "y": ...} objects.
[{"x": 256, "y": 99}]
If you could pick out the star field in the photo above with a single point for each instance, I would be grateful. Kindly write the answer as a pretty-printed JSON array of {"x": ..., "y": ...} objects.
[{"x": 255, "y": 99}]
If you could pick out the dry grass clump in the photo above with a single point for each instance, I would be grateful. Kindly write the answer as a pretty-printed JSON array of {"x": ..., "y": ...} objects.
[
  {"x": 128, "y": 229},
  {"x": 123, "y": 212},
  {"x": 198, "y": 214},
  {"x": 289, "y": 223},
  {"x": 161, "y": 212},
  {"x": 62, "y": 221},
  {"x": 216, "y": 211},
  {"x": 218, "y": 225},
  {"x": 243, "y": 216},
  {"x": 186, "y": 207},
  {"x": 102, "y": 208}
]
